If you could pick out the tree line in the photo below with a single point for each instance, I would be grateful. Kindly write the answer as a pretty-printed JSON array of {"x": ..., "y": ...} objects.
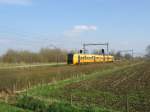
[
  {"x": 148, "y": 52},
  {"x": 45, "y": 55},
  {"x": 118, "y": 55}
]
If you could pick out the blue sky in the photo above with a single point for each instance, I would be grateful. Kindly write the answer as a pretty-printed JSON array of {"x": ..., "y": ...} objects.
[{"x": 32, "y": 24}]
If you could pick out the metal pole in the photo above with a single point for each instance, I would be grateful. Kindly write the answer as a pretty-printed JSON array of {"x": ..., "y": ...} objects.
[
  {"x": 132, "y": 54},
  {"x": 107, "y": 48},
  {"x": 84, "y": 48}
]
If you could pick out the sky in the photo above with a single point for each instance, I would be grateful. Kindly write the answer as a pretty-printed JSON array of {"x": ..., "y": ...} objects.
[{"x": 67, "y": 24}]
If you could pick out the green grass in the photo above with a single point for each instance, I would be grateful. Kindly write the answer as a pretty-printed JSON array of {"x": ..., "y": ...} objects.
[
  {"x": 45, "y": 89},
  {"x": 109, "y": 88},
  {"x": 8, "y": 108},
  {"x": 55, "y": 76},
  {"x": 84, "y": 88},
  {"x": 37, "y": 105}
]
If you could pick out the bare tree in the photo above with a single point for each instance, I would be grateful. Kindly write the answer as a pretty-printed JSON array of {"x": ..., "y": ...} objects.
[
  {"x": 128, "y": 56},
  {"x": 148, "y": 51},
  {"x": 118, "y": 55},
  {"x": 45, "y": 55}
]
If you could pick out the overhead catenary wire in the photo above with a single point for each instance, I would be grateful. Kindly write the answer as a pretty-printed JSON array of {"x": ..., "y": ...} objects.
[{"x": 96, "y": 44}]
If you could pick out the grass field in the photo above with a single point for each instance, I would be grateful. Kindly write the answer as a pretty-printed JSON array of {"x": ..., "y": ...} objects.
[
  {"x": 8, "y": 108},
  {"x": 122, "y": 88},
  {"x": 22, "y": 78},
  {"x": 111, "y": 87},
  {"x": 23, "y": 65}
]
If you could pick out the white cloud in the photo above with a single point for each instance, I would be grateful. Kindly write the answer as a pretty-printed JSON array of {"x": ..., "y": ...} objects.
[
  {"x": 18, "y": 2},
  {"x": 84, "y": 28},
  {"x": 78, "y": 29}
]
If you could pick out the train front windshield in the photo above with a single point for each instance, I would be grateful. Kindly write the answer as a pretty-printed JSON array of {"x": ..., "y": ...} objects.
[{"x": 70, "y": 59}]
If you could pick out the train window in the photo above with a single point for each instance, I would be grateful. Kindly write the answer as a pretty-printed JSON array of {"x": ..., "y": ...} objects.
[
  {"x": 103, "y": 51},
  {"x": 81, "y": 51}
]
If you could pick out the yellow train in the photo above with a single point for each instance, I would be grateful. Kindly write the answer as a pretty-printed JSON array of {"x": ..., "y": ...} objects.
[{"x": 88, "y": 58}]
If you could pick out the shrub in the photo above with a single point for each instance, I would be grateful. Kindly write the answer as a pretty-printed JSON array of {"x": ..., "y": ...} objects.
[
  {"x": 31, "y": 104},
  {"x": 62, "y": 107}
]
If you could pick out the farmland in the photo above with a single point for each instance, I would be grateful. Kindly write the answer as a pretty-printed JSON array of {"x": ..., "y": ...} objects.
[
  {"x": 21, "y": 78},
  {"x": 118, "y": 89},
  {"x": 107, "y": 87}
]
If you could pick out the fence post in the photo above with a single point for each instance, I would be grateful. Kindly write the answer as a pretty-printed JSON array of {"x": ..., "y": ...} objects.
[
  {"x": 14, "y": 88},
  {"x": 71, "y": 99},
  {"x": 105, "y": 102},
  {"x": 127, "y": 103},
  {"x": 6, "y": 98},
  {"x": 29, "y": 84}
]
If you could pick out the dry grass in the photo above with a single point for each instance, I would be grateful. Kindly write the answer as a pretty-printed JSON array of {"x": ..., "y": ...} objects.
[{"x": 21, "y": 78}]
